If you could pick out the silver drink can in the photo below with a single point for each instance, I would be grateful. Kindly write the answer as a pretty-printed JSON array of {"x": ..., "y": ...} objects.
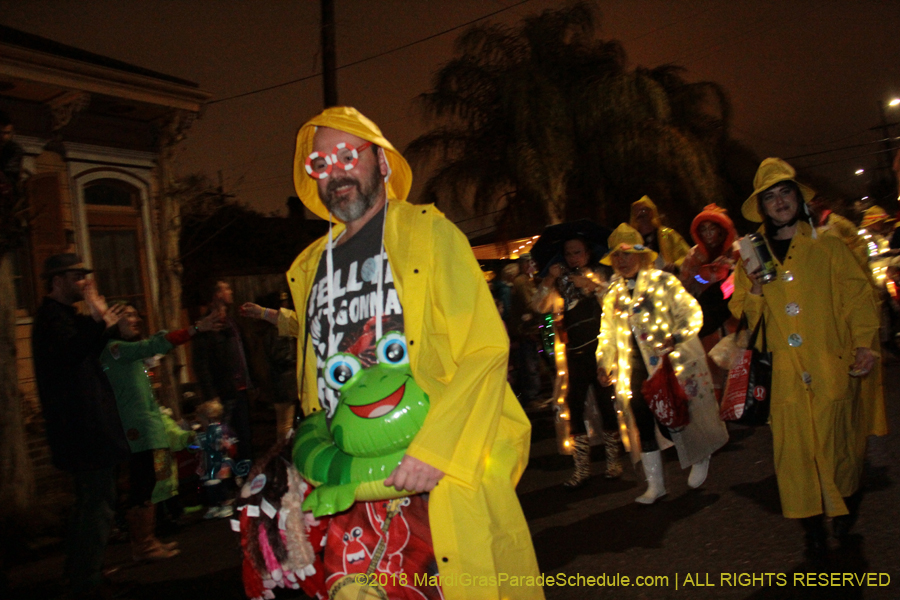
[{"x": 756, "y": 255}]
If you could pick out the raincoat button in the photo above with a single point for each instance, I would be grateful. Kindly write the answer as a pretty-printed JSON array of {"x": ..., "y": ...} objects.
[
  {"x": 292, "y": 279},
  {"x": 807, "y": 378},
  {"x": 415, "y": 270},
  {"x": 792, "y": 309},
  {"x": 445, "y": 559},
  {"x": 794, "y": 340},
  {"x": 787, "y": 276}
]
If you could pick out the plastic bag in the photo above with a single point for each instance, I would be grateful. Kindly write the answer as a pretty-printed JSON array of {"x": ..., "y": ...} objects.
[
  {"x": 666, "y": 398},
  {"x": 730, "y": 349}
]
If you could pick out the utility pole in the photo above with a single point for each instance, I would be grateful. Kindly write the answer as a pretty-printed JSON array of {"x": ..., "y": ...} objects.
[
  {"x": 329, "y": 62},
  {"x": 887, "y": 142}
]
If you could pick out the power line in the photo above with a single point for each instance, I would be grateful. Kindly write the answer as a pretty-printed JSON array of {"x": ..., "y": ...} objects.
[
  {"x": 690, "y": 17},
  {"x": 479, "y": 216},
  {"x": 863, "y": 145},
  {"x": 749, "y": 134},
  {"x": 847, "y": 159},
  {"x": 373, "y": 57}
]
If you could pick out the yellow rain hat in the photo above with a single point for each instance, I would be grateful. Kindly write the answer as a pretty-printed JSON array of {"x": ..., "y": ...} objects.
[
  {"x": 626, "y": 238},
  {"x": 646, "y": 202},
  {"x": 349, "y": 120},
  {"x": 770, "y": 172},
  {"x": 873, "y": 215}
]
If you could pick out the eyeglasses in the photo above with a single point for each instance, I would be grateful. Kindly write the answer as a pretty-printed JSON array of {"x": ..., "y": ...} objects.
[{"x": 344, "y": 156}]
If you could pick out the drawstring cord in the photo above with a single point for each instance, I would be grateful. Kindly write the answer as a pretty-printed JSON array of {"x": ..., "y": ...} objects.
[{"x": 380, "y": 265}]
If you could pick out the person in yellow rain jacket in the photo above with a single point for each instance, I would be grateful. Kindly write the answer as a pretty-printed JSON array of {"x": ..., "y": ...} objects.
[
  {"x": 822, "y": 327},
  {"x": 665, "y": 241},
  {"x": 473, "y": 444}
]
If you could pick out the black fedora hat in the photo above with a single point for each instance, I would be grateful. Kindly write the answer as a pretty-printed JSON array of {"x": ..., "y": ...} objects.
[{"x": 60, "y": 263}]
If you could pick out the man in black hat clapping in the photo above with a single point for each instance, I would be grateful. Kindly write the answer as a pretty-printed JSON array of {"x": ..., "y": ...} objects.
[{"x": 83, "y": 426}]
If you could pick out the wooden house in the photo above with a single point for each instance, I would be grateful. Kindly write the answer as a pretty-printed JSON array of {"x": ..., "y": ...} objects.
[{"x": 97, "y": 135}]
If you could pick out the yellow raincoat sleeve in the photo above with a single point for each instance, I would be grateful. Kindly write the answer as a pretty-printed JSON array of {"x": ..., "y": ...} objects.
[
  {"x": 471, "y": 347},
  {"x": 857, "y": 301},
  {"x": 672, "y": 246},
  {"x": 742, "y": 301},
  {"x": 288, "y": 323}
]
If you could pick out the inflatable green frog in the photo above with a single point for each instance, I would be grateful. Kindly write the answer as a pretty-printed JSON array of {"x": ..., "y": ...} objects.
[{"x": 380, "y": 410}]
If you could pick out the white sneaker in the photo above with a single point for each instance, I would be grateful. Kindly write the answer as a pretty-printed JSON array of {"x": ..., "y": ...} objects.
[
  {"x": 225, "y": 511},
  {"x": 212, "y": 513}
]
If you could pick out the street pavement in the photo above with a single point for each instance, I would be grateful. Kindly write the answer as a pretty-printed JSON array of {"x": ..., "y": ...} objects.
[{"x": 725, "y": 540}]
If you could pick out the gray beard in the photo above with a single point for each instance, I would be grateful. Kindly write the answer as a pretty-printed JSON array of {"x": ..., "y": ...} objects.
[{"x": 353, "y": 211}]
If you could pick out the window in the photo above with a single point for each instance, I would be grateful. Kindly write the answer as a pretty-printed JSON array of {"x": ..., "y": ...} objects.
[
  {"x": 115, "y": 231},
  {"x": 109, "y": 192},
  {"x": 117, "y": 266}
]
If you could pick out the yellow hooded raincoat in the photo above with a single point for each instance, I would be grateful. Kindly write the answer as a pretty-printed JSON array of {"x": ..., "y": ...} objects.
[
  {"x": 672, "y": 247},
  {"x": 476, "y": 431},
  {"x": 818, "y": 310}
]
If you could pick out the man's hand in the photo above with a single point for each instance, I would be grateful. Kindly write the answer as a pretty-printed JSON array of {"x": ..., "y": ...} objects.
[
  {"x": 114, "y": 314},
  {"x": 413, "y": 475},
  {"x": 605, "y": 378},
  {"x": 252, "y": 310},
  {"x": 95, "y": 303},
  {"x": 99, "y": 309},
  {"x": 210, "y": 322},
  {"x": 865, "y": 360}
]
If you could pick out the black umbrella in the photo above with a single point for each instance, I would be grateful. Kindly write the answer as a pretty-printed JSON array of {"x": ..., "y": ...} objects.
[{"x": 549, "y": 248}]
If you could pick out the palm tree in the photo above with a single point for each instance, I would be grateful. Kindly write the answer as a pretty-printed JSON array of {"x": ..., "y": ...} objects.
[{"x": 546, "y": 121}]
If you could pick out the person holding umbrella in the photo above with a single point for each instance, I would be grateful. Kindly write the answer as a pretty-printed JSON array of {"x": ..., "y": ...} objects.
[{"x": 575, "y": 287}]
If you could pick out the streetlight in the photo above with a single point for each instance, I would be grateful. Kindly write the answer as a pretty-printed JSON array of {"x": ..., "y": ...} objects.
[
  {"x": 894, "y": 102},
  {"x": 859, "y": 171}
]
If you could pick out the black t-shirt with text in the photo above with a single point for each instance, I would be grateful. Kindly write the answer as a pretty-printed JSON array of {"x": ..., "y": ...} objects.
[{"x": 355, "y": 265}]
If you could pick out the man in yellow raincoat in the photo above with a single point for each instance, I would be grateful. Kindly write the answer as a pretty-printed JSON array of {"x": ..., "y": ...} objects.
[
  {"x": 474, "y": 442},
  {"x": 822, "y": 327},
  {"x": 667, "y": 242}
]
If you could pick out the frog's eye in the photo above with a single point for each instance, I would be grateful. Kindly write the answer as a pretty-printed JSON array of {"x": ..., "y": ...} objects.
[
  {"x": 339, "y": 369},
  {"x": 356, "y": 532},
  {"x": 391, "y": 349}
]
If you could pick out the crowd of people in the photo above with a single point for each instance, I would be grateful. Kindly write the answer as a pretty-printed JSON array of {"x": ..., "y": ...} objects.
[
  {"x": 835, "y": 289},
  {"x": 393, "y": 290}
]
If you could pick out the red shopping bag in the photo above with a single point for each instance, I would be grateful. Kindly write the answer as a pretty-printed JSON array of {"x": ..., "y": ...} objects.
[{"x": 666, "y": 398}]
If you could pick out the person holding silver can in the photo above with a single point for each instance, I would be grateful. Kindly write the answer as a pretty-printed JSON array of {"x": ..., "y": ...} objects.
[{"x": 822, "y": 325}]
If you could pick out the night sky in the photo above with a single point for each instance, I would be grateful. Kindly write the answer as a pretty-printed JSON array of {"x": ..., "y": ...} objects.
[{"x": 804, "y": 76}]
